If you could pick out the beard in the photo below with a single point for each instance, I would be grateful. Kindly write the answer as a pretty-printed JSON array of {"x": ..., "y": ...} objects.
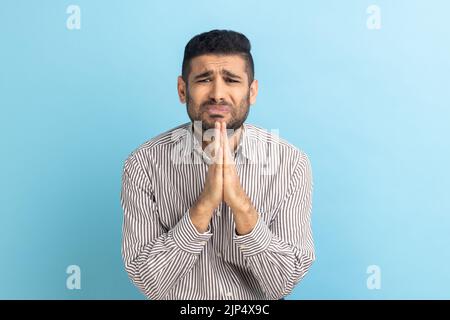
[{"x": 238, "y": 114}]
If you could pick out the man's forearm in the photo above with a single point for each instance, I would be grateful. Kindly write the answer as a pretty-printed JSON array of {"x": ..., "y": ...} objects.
[
  {"x": 200, "y": 214},
  {"x": 245, "y": 218}
]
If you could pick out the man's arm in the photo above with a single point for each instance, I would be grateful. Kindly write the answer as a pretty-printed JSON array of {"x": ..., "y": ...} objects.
[
  {"x": 280, "y": 254},
  {"x": 155, "y": 258}
]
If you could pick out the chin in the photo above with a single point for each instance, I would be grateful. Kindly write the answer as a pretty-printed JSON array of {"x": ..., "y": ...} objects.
[{"x": 210, "y": 122}]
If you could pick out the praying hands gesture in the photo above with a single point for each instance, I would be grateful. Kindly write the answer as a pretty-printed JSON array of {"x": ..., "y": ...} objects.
[{"x": 222, "y": 184}]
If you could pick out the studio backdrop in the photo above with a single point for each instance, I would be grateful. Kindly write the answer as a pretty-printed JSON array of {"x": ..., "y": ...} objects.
[{"x": 362, "y": 87}]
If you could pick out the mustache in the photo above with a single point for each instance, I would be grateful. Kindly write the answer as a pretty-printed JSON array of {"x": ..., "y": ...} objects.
[{"x": 212, "y": 102}]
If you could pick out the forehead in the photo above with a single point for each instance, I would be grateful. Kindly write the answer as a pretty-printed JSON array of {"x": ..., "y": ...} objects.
[{"x": 209, "y": 62}]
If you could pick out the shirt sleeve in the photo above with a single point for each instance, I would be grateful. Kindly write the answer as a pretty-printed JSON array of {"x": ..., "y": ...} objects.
[
  {"x": 279, "y": 255},
  {"x": 155, "y": 258}
]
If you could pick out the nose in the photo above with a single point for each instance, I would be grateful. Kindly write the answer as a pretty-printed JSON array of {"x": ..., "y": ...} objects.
[{"x": 217, "y": 92}]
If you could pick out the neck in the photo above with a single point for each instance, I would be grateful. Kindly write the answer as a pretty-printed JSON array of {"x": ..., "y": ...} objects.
[{"x": 233, "y": 138}]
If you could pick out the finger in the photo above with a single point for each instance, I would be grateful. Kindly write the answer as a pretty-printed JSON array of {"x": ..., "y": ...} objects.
[
  {"x": 216, "y": 142},
  {"x": 227, "y": 158},
  {"x": 220, "y": 158}
]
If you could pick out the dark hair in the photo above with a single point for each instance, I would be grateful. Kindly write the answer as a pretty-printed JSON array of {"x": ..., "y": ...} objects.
[{"x": 221, "y": 42}]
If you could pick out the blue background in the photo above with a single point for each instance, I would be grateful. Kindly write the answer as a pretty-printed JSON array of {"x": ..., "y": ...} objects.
[{"x": 369, "y": 107}]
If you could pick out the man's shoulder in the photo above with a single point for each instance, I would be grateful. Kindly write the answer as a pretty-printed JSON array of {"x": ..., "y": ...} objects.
[
  {"x": 271, "y": 137},
  {"x": 165, "y": 138},
  {"x": 286, "y": 152}
]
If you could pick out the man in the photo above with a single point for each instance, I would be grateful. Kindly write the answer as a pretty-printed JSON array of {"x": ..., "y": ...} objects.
[{"x": 217, "y": 208}]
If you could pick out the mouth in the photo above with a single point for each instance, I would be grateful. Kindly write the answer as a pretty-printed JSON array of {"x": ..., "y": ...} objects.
[{"x": 216, "y": 109}]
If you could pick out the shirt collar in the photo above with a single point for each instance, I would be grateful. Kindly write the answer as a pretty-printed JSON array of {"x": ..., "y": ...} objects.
[{"x": 190, "y": 145}]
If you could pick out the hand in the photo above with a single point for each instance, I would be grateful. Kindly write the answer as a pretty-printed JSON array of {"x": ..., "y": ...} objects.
[
  {"x": 245, "y": 215},
  {"x": 222, "y": 183},
  {"x": 212, "y": 193}
]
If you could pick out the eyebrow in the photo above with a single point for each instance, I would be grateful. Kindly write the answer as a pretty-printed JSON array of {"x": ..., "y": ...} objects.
[
  {"x": 231, "y": 74},
  {"x": 209, "y": 73},
  {"x": 203, "y": 75}
]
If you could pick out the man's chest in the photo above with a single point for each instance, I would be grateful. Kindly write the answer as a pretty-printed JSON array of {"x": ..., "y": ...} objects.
[{"x": 178, "y": 188}]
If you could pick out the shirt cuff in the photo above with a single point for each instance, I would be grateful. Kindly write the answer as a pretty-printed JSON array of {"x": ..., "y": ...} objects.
[
  {"x": 187, "y": 237},
  {"x": 255, "y": 242}
]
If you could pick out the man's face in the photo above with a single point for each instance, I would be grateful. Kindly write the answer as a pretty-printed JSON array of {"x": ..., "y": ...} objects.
[{"x": 218, "y": 89}]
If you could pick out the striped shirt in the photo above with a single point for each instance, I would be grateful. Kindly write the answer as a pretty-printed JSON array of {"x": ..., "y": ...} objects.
[{"x": 167, "y": 258}]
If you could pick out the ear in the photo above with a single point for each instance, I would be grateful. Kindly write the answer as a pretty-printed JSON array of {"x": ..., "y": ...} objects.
[
  {"x": 253, "y": 91},
  {"x": 181, "y": 86}
]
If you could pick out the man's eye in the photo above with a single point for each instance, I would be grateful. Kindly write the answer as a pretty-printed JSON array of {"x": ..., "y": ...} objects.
[
  {"x": 204, "y": 80},
  {"x": 232, "y": 80}
]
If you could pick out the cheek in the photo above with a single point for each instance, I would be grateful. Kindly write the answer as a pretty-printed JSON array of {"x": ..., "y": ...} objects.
[
  {"x": 197, "y": 96},
  {"x": 239, "y": 97}
]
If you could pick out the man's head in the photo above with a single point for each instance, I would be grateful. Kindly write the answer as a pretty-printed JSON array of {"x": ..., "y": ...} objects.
[{"x": 217, "y": 81}]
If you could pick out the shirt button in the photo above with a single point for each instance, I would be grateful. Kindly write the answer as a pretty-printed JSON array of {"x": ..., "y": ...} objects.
[
  {"x": 219, "y": 254},
  {"x": 228, "y": 294},
  {"x": 242, "y": 247},
  {"x": 203, "y": 242},
  {"x": 218, "y": 213}
]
